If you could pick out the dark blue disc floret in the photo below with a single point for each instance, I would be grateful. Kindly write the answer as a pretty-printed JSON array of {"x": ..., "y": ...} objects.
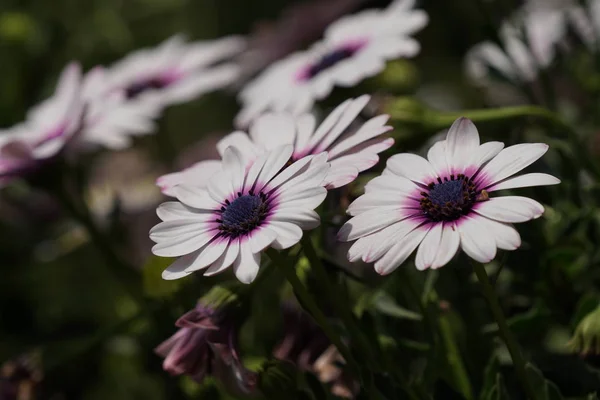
[
  {"x": 330, "y": 59},
  {"x": 136, "y": 89},
  {"x": 243, "y": 214},
  {"x": 449, "y": 199}
]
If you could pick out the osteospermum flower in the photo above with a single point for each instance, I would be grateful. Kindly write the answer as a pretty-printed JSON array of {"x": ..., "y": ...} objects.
[
  {"x": 48, "y": 128},
  {"x": 240, "y": 213},
  {"x": 445, "y": 202},
  {"x": 349, "y": 152},
  {"x": 176, "y": 71},
  {"x": 353, "y": 48},
  {"x": 529, "y": 41}
]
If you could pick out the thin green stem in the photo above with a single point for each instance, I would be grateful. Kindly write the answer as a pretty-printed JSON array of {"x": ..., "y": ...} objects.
[
  {"x": 405, "y": 110},
  {"x": 507, "y": 336},
  {"x": 123, "y": 272},
  {"x": 307, "y": 301},
  {"x": 343, "y": 310}
]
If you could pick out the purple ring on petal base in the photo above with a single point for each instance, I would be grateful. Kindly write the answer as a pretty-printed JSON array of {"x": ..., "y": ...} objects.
[{"x": 329, "y": 59}]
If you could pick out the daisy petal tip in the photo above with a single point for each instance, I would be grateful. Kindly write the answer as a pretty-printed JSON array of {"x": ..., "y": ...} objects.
[{"x": 171, "y": 275}]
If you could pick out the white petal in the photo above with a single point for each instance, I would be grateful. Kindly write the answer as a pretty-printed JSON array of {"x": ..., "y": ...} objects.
[
  {"x": 448, "y": 246},
  {"x": 367, "y": 223},
  {"x": 197, "y": 175},
  {"x": 400, "y": 252},
  {"x": 512, "y": 160},
  {"x": 527, "y": 180},
  {"x": 476, "y": 240},
  {"x": 390, "y": 236},
  {"x": 429, "y": 247},
  {"x": 173, "y": 210},
  {"x": 277, "y": 158},
  {"x": 184, "y": 243},
  {"x": 437, "y": 158},
  {"x": 413, "y": 167},
  {"x": 486, "y": 152},
  {"x": 506, "y": 236},
  {"x": 290, "y": 172},
  {"x": 393, "y": 183},
  {"x": 369, "y": 130},
  {"x": 261, "y": 238},
  {"x": 247, "y": 264},
  {"x": 234, "y": 165},
  {"x": 510, "y": 209},
  {"x": 287, "y": 234},
  {"x": 209, "y": 254},
  {"x": 305, "y": 219},
  {"x": 220, "y": 187},
  {"x": 273, "y": 130},
  {"x": 340, "y": 176},
  {"x": 195, "y": 197},
  {"x": 225, "y": 260},
  {"x": 376, "y": 200},
  {"x": 178, "y": 268},
  {"x": 461, "y": 142},
  {"x": 306, "y": 198},
  {"x": 241, "y": 141},
  {"x": 305, "y": 127}
]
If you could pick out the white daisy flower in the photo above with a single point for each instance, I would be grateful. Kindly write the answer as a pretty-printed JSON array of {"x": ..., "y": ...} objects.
[
  {"x": 529, "y": 42},
  {"x": 48, "y": 128},
  {"x": 240, "y": 213},
  {"x": 176, "y": 71},
  {"x": 443, "y": 202},
  {"x": 585, "y": 21},
  {"x": 353, "y": 48},
  {"x": 349, "y": 151}
]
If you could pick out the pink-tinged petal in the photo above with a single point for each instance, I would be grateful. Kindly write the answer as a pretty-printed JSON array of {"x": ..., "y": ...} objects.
[
  {"x": 429, "y": 247},
  {"x": 370, "y": 129},
  {"x": 287, "y": 234},
  {"x": 360, "y": 247},
  {"x": 367, "y": 223},
  {"x": 261, "y": 238},
  {"x": 276, "y": 160},
  {"x": 241, "y": 141},
  {"x": 225, "y": 260},
  {"x": 437, "y": 158},
  {"x": 184, "y": 243},
  {"x": 255, "y": 167},
  {"x": 195, "y": 197},
  {"x": 305, "y": 127},
  {"x": 362, "y": 161},
  {"x": 527, "y": 180},
  {"x": 400, "y": 251},
  {"x": 247, "y": 264},
  {"x": 510, "y": 209},
  {"x": 336, "y": 123},
  {"x": 475, "y": 240},
  {"x": 393, "y": 183},
  {"x": 174, "y": 210},
  {"x": 461, "y": 142},
  {"x": 510, "y": 161},
  {"x": 197, "y": 175},
  {"x": 413, "y": 167},
  {"x": 506, "y": 236},
  {"x": 209, "y": 254},
  {"x": 388, "y": 237},
  {"x": 448, "y": 246},
  {"x": 305, "y": 219},
  {"x": 273, "y": 130}
]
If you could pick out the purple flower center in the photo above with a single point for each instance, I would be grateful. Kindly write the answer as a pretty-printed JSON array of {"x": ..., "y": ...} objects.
[
  {"x": 243, "y": 214},
  {"x": 330, "y": 59},
  {"x": 449, "y": 199},
  {"x": 137, "y": 88}
]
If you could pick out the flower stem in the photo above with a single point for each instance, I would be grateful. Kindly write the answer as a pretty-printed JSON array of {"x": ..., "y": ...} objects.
[
  {"x": 343, "y": 311},
  {"x": 311, "y": 306},
  {"x": 507, "y": 336},
  {"x": 124, "y": 273}
]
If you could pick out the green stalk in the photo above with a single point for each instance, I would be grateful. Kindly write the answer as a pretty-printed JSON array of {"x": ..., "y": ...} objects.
[
  {"x": 304, "y": 296},
  {"x": 507, "y": 336}
]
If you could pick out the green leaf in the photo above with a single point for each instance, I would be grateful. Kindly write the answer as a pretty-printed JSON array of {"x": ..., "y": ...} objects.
[
  {"x": 498, "y": 391},
  {"x": 546, "y": 389},
  {"x": 154, "y": 285},
  {"x": 386, "y": 305},
  {"x": 586, "y": 305},
  {"x": 489, "y": 377}
]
